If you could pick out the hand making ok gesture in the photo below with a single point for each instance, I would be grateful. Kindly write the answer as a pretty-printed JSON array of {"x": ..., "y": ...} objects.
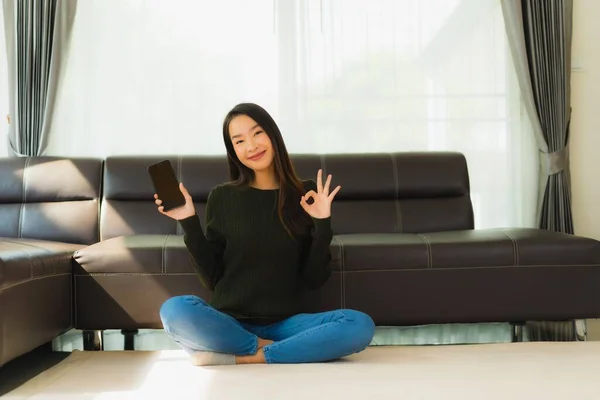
[{"x": 321, "y": 207}]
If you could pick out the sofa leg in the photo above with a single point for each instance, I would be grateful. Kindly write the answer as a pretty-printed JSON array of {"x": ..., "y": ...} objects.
[
  {"x": 580, "y": 330},
  {"x": 93, "y": 340},
  {"x": 517, "y": 331},
  {"x": 128, "y": 340}
]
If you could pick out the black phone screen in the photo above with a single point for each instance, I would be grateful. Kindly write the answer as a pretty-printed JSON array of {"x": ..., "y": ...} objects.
[{"x": 166, "y": 185}]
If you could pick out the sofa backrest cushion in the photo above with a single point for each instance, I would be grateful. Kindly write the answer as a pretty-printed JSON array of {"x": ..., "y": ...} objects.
[
  {"x": 413, "y": 192},
  {"x": 50, "y": 198},
  {"x": 128, "y": 204},
  {"x": 381, "y": 193}
]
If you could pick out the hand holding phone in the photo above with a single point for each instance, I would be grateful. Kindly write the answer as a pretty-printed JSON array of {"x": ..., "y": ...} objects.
[
  {"x": 183, "y": 212},
  {"x": 171, "y": 197}
]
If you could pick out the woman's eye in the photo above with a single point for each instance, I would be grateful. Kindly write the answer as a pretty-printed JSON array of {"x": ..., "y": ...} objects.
[
  {"x": 239, "y": 141},
  {"x": 258, "y": 133}
]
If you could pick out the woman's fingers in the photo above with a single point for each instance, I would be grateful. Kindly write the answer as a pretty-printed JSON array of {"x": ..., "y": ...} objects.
[
  {"x": 327, "y": 183},
  {"x": 304, "y": 204},
  {"x": 320, "y": 187},
  {"x": 310, "y": 194},
  {"x": 320, "y": 181},
  {"x": 158, "y": 202},
  {"x": 332, "y": 195},
  {"x": 184, "y": 191}
]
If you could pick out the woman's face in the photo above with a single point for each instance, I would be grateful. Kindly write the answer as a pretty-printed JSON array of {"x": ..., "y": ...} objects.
[{"x": 251, "y": 143}]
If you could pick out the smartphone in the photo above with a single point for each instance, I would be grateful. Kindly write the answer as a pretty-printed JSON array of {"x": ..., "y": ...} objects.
[{"x": 166, "y": 185}]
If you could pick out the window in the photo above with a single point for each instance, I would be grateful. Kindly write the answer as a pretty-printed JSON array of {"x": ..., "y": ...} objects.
[{"x": 157, "y": 77}]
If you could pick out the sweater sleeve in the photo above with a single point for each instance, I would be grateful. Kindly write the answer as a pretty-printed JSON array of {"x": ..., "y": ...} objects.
[
  {"x": 317, "y": 268},
  {"x": 206, "y": 250}
]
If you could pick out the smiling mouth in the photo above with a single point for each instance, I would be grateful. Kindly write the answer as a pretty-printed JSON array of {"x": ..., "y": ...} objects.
[{"x": 258, "y": 156}]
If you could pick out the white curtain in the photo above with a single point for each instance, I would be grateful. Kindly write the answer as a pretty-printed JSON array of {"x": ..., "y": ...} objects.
[{"x": 157, "y": 77}]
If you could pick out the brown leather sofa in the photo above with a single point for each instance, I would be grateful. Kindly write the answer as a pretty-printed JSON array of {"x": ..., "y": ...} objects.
[
  {"x": 405, "y": 250},
  {"x": 48, "y": 209}
]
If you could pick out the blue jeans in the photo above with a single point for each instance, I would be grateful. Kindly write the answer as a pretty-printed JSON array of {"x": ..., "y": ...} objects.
[{"x": 304, "y": 338}]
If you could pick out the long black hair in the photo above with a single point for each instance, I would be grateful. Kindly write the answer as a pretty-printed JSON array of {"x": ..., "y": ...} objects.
[{"x": 291, "y": 214}]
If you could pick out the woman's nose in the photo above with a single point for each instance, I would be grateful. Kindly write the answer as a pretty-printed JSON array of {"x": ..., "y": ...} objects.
[{"x": 252, "y": 144}]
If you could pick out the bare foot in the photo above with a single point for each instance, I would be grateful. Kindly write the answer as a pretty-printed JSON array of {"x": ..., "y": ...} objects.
[
  {"x": 205, "y": 358},
  {"x": 263, "y": 342},
  {"x": 258, "y": 358}
]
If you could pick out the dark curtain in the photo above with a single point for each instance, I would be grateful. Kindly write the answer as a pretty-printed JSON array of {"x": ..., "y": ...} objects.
[
  {"x": 539, "y": 33},
  {"x": 36, "y": 33}
]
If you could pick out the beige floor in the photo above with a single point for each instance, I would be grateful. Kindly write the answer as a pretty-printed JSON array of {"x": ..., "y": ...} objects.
[
  {"x": 489, "y": 371},
  {"x": 593, "y": 329}
]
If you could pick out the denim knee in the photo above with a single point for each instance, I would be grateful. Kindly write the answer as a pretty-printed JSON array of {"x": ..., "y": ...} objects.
[{"x": 175, "y": 306}]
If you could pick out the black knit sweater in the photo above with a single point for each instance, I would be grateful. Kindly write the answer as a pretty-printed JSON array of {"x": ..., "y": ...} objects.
[{"x": 255, "y": 269}]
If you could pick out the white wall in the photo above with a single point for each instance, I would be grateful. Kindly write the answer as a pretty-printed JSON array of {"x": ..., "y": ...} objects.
[
  {"x": 585, "y": 126},
  {"x": 3, "y": 91}
]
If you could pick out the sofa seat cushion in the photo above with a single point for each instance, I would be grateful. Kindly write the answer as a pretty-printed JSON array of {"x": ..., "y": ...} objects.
[
  {"x": 146, "y": 254},
  {"x": 487, "y": 275},
  {"x": 36, "y": 293},
  {"x": 397, "y": 278},
  {"x": 120, "y": 283},
  {"x": 510, "y": 247},
  {"x": 167, "y": 254},
  {"x": 136, "y": 254},
  {"x": 22, "y": 260}
]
